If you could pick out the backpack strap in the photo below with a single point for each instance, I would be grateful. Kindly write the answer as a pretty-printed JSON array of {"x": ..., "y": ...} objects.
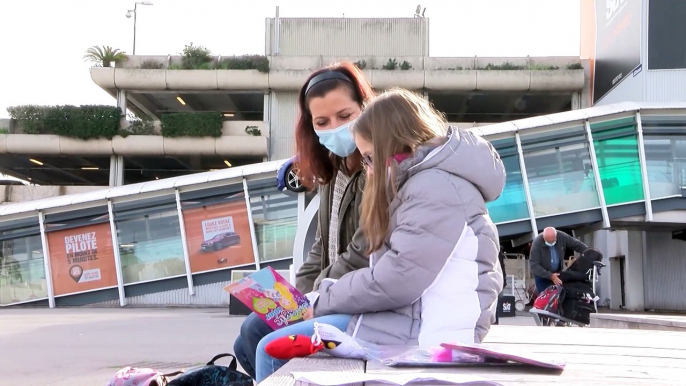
[{"x": 231, "y": 366}]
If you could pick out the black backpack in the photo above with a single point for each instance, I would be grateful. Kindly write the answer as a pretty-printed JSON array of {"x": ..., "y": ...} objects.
[{"x": 213, "y": 375}]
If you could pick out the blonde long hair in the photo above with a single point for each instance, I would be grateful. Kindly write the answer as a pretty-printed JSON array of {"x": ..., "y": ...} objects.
[{"x": 397, "y": 121}]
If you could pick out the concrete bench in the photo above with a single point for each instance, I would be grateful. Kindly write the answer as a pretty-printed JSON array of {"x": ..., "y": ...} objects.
[{"x": 594, "y": 357}]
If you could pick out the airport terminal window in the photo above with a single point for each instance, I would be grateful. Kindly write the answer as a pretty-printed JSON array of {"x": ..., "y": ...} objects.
[
  {"x": 149, "y": 239},
  {"x": 217, "y": 228},
  {"x": 558, "y": 166},
  {"x": 511, "y": 205},
  {"x": 22, "y": 267},
  {"x": 81, "y": 252},
  {"x": 616, "y": 148},
  {"x": 276, "y": 219},
  {"x": 665, "y": 148}
]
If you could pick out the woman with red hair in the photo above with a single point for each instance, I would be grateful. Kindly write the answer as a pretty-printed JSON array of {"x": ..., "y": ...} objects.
[{"x": 327, "y": 159}]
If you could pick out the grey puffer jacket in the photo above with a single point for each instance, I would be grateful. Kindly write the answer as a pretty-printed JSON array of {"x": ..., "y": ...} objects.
[{"x": 437, "y": 278}]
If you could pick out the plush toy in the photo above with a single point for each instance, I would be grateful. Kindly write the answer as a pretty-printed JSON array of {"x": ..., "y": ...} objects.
[{"x": 293, "y": 346}]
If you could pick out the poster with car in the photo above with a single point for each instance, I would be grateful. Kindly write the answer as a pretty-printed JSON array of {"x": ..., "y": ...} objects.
[
  {"x": 82, "y": 259},
  {"x": 218, "y": 235}
]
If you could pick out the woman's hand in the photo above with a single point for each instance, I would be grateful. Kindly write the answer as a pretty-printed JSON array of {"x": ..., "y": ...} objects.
[{"x": 308, "y": 314}]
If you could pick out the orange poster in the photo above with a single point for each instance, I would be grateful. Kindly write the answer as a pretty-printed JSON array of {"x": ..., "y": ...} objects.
[
  {"x": 82, "y": 259},
  {"x": 218, "y": 235}
]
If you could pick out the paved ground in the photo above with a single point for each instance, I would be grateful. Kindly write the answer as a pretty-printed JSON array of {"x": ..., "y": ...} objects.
[{"x": 84, "y": 347}]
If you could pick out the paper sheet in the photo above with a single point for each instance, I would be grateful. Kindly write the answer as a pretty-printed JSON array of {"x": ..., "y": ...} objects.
[{"x": 336, "y": 378}]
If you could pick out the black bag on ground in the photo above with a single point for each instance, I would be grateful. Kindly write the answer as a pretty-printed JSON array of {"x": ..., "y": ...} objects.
[
  {"x": 576, "y": 305},
  {"x": 213, "y": 375}
]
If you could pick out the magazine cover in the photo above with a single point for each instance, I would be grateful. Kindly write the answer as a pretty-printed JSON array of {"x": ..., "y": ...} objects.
[
  {"x": 505, "y": 354},
  {"x": 271, "y": 297}
]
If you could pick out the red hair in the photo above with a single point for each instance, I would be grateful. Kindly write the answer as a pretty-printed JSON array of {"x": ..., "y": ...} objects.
[{"x": 315, "y": 163}]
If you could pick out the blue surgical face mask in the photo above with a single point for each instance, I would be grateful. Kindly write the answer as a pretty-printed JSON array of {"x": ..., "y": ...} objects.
[
  {"x": 339, "y": 141},
  {"x": 551, "y": 244}
]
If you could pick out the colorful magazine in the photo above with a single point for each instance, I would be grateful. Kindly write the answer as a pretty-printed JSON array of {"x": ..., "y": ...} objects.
[{"x": 271, "y": 297}]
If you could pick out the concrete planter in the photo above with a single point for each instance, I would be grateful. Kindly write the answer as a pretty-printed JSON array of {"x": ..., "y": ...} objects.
[
  {"x": 180, "y": 146},
  {"x": 192, "y": 79},
  {"x": 138, "y": 79},
  {"x": 409, "y": 79},
  {"x": 555, "y": 80},
  {"x": 503, "y": 80},
  {"x": 31, "y": 144},
  {"x": 248, "y": 146},
  {"x": 103, "y": 77},
  {"x": 138, "y": 145},
  {"x": 462, "y": 80},
  {"x": 287, "y": 79},
  {"x": 85, "y": 147},
  {"x": 242, "y": 80}
]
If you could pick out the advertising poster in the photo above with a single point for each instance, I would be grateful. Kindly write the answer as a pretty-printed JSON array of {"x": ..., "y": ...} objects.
[
  {"x": 618, "y": 43},
  {"x": 218, "y": 236},
  {"x": 666, "y": 35},
  {"x": 82, "y": 259}
]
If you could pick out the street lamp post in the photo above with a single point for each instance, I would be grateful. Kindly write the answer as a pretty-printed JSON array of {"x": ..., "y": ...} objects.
[{"x": 128, "y": 15}]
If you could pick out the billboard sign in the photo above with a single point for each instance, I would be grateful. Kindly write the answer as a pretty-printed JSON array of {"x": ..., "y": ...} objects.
[{"x": 618, "y": 43}]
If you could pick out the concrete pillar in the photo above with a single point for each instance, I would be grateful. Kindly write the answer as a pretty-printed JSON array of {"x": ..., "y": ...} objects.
[
  {"x": 116, "y": 170},
  {"x": 266, "y": 118},
  {"x": 121, "y": 103},
  {"x": 576, "y": 101},
  {"x": 633, "y": 275}
]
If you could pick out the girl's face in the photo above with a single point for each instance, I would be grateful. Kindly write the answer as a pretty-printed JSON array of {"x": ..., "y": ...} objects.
[
  {"x": 334, "y": 109},
  {"x": 366, "y": 148}
]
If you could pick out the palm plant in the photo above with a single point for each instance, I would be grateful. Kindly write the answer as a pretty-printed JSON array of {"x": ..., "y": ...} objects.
[{"x": 104, "y": 55}]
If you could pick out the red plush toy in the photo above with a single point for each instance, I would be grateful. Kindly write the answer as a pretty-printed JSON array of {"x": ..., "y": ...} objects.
[{"x": 292, "y": 346}]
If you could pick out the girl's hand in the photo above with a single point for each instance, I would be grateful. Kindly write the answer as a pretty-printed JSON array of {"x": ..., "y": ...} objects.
[{"x": 308, "y": 314}]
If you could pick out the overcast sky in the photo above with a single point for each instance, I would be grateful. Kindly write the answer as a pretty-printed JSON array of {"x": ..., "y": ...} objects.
[{"x": 43, "y": 41}]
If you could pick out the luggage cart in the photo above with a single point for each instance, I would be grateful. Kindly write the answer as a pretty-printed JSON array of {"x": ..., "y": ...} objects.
[{"x": 545, "y": 318}]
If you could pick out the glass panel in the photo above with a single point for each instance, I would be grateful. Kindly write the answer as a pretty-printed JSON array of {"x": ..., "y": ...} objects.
[
  {"x": 618, "y": 163},
  {"x": 276, "y": 219},
  {"x": 666, "y": 161},
  {"x": 561, "y": 180},
  {"x": 511, "y": 205},
  {"x": 150, "y": 244},
  {"x": 22, "y": 270},
  {"x": 218, "y": 231},
  {"x": 81, "y": 257}
]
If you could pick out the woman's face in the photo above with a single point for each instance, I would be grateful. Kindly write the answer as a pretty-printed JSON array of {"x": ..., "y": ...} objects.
[
  {"x": 333, "y": 109},
  {"x": 367, "y": 150}
]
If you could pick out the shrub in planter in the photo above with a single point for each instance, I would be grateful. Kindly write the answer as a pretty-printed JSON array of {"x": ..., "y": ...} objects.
[
  {"x": 507, "y": 66},
  {"x": 253, "y": 130},
  {"x": 152, "y": 65},
  {"x": 103, "y": 56},
  {"x": 405, "y": 65},
  {"x": 141, "y": 127},
  {"x": 361, "y": 64},
  {"x": 392, "y": 64},
  {"x": 84, "y": 122},
  {"x": 196, "y": 58},
  {"x": 195, "y": 124},
  {"x": 29, "y": 117},
  {"x": 246, "y": 62},
  {"x": 4, "y": 131}
]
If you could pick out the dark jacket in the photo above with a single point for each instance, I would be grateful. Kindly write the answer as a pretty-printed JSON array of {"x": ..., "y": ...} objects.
[
  {"x": 352, "y": 243},
  {"x": 539, "y": 261}
]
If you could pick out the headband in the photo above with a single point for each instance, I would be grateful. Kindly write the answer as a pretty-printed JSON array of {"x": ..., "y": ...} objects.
[{"x": 329, "y": 75}]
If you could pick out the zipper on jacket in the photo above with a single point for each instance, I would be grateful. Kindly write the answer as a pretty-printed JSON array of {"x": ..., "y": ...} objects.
[{"x": 359, "y": 320}]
